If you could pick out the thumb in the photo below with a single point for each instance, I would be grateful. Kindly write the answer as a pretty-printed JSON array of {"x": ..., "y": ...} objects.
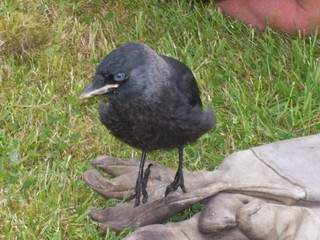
[{"x": 220, "y": 212}]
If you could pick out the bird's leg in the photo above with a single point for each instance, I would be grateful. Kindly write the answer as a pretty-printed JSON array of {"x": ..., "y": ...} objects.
[
  {"x": 178, "y": 179},
  {"x": 141, "y": 183},
  {"x": 145, "y": 183}
]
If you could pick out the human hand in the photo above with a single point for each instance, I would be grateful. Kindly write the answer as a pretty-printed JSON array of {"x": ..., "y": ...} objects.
[{"x": 290, "y": 16}]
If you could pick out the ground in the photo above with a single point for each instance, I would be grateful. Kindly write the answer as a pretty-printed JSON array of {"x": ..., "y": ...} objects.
[{"x": 263, "y": 86}]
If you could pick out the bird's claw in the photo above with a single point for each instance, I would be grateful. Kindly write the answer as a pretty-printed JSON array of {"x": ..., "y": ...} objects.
[{"x": 177, "y": 182}]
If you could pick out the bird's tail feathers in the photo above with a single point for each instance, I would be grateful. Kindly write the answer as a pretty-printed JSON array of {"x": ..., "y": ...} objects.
[{"x": 199, "y": 121}]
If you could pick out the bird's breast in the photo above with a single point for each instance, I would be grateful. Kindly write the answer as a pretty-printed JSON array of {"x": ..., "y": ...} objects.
[{"x": 148, "y": 127}]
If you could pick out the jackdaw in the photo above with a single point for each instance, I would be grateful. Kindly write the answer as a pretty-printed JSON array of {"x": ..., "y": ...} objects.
[{"x": 153, "y": 103}]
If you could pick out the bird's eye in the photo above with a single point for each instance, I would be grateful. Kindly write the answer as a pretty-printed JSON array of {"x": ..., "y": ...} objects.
[{"x": 119, "y": 77}]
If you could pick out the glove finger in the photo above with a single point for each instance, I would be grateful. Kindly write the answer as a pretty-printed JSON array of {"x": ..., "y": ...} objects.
[
  {"x": 128, "y": 168},
  {"x": 264, "y": 221},
  {"x": 157, "y": 232},
  {"x": 99, "y": 215},
  {"x": 119, "y": 187},
  {"x": 252, "y": 212},
  {"x": 115, "y": 166},
  {"x": 122, "y": 186},
  {"x": 184, "y": 230},
  {"x": 124, "y": 215},
  {"x": 220, "y": 212},
  {"x": 159, "y": 174}
]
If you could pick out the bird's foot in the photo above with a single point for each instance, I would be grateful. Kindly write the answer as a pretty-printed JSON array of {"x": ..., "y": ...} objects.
[
  {"x": 177, "y": 182},
  {"x": 141, "y": 188}
]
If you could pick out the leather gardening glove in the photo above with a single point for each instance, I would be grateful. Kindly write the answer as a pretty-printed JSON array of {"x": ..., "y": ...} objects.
[
  {"x": 230, "y": 216},
  {"x": 283, "y": 172}
]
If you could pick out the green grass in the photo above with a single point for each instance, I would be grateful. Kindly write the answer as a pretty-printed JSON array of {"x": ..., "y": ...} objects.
[{"x": 263, "y": 86}]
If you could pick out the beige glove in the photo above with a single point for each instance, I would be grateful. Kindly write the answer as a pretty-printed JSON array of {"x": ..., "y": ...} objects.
[{"x": 286, "y": 173}]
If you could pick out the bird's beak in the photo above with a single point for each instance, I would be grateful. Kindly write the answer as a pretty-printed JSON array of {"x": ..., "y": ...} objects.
[{"x": 90, "y": 91}]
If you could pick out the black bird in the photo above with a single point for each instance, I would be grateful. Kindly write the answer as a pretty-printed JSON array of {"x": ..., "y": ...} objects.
[{"x": 154, "y": 103}]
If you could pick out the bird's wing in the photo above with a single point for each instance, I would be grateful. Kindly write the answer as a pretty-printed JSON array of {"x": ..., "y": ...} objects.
[{"x": 184, "y": 81}]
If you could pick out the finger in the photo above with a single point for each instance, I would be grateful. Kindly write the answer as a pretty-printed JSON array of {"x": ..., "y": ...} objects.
[
  {"x": 124, "y": 215},
  {"x": 220, "y": 212},
  {"x": 117, "y": 218},
  {"x": 98, "y": 215},
  {"x": 156, "y": 232},
  {"x": 115, "y": 166},
  {"x": 119, "y": 187},
  {"x": 184, "y": 230},
  {"x": 122, "y": 186},
  {"x": 250, "y": 213},
  {"x": 265, "y": 221}
]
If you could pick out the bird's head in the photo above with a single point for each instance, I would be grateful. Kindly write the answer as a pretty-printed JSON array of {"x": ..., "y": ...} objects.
[{"x": 126, "y": 68}]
